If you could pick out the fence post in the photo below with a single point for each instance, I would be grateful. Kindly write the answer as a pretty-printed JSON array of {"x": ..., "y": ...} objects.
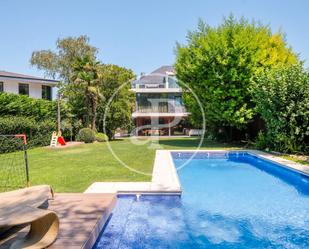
[{"x": 27, "y": 166}]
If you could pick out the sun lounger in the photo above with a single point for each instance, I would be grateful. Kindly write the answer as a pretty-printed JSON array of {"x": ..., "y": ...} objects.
[
  {"x": 21, "y": 207},
  {"x": 33, "y": 196}
]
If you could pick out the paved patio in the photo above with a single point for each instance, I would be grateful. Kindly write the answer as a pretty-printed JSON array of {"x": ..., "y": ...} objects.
[{"x": 82, "y": 217}]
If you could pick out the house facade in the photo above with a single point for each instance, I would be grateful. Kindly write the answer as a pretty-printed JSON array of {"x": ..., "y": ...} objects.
[
  {"x": 159, "y": 108},
  {"x": 31, "y": 86}
]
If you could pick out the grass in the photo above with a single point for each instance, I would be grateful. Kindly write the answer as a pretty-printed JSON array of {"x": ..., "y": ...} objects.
[
  {"x": 73, "y": 169},
  {"x": 296, "y": 159}
]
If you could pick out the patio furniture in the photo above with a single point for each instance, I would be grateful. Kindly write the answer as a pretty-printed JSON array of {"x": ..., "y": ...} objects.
[
  {"x": 21, "y": 208},
  {"x": 196, "y": 132},
  {"x": 82, "y": 217},
  {"x": 154, "y": 132}
]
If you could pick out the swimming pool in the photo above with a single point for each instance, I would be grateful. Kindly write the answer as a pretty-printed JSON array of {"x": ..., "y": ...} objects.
[{"x": 229, "y": 200}]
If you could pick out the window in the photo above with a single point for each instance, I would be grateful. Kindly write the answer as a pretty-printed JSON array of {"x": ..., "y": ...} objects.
[
  {"x": 1, "y": 87},
  {"x": 178, "y": 101},
  {"x": 46, "y": 92},
  {"x": 23, "y": 89}
]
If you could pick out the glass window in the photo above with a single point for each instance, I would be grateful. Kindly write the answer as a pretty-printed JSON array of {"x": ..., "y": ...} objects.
[
  {"x": 178, "y": 101},
  {"x": 46, "y": 92},
  {"x": 172, "y": 82},
  {"x": 23, "y": 89},
  {"x": 1, "y": 86}
]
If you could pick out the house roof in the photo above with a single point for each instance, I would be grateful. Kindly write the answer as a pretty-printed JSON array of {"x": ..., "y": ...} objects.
[
  {"x": 157, "y": 76},
  {"x": 11, "y": 75},
  {"x": 164, "y": 70}
]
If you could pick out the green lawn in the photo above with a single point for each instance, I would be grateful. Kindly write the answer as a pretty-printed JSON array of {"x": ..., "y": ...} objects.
[
  {"x": 74, "y": 169},
  {"x": 295, "y": 159}
]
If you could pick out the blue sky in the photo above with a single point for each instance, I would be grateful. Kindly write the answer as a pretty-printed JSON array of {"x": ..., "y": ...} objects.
[{"x": 137, "y": 34}]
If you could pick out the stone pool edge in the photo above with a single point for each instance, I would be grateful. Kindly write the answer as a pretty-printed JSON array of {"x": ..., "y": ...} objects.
[{"x": 165, "y": 179}]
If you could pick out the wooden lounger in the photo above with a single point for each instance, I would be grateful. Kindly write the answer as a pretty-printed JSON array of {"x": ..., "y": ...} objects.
[{"x": 20, "y": 207}]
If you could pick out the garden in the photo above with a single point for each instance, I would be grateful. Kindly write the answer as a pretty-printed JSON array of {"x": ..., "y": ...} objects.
[{"x": 253, "y": 88}]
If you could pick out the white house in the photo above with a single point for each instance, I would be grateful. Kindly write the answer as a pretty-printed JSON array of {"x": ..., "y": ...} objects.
[
  {"x": 31, "y": 86},
  {"x": 162, "y": 87}
]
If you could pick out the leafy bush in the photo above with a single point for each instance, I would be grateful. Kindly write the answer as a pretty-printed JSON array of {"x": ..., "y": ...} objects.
[
  {"x": 282, "y": 100},
  {"x": 70, "y": 128},
  {"x": 22, "y": 114},
  {"x": 86, "y": 135},
  {"x": 21, "y": 105},
  {"x": 101, "y": 137},
  {"x": 262, "y": 141},
  {"x": 38, "y": 132},
  {"x": 10, "y": 144},
  {"x": 220, "y": 63}
]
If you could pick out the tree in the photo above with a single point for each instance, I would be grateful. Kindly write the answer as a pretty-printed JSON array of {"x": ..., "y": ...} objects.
[
  {"x": 220, "y": 65},
  {"x": 282, "y": 99},
  {"x": 58, "y": 64},
  {"x": 115, "y": 83},
  {"x": 85, "y": 77},
  {"x": 87, "y": 84}
]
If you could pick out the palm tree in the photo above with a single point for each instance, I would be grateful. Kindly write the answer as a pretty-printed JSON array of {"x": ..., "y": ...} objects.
[{"x": 85, "y": 75}]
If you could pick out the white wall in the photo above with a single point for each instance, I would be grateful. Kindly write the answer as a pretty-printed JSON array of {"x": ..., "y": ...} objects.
[
  {"x": 10, "y": 86},
  {"x": 35, "y": 89}
]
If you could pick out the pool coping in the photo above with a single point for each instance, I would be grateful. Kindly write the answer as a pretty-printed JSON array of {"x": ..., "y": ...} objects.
[
  {"x": 165, "y": 179},
  {"x": 294, "y": 166},
  {"x": 285, "y": 163}
]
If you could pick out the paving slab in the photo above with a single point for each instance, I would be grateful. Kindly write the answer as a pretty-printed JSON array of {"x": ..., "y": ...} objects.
[
  {"x": 82, "y": 217},
  {"x": 164, "y": 180}
]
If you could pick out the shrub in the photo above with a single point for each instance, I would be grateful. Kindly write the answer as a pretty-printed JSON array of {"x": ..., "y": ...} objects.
[
  {"x": 86, "y": 135},
  {"x": 282, "y": 100},
  {"x": 38, "y": 132},
  {"x": 10, "y": 144},
  {"x": 70, "y": 128},
  {"x": 101, "y": 137},
  {"x": 21, "y": 105},
  {"x": 261, "y": 141}
]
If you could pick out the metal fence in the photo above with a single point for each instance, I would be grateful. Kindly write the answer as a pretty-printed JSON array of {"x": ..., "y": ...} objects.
[{"x": 14, "y": 172}]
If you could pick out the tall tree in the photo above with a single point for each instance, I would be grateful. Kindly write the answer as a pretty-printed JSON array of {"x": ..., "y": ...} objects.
[
  {"x": 87, "y": 84},
  {"x": 112, "y": 83},
  {"x": 85, "y": 76},
  {"x": 58, "y": 64},
  {"x": 115, "y": 84},
  {"x": 220, "y": 65}
]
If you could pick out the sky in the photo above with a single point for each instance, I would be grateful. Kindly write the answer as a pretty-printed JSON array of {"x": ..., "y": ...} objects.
[{"x": 137, "y": 34}]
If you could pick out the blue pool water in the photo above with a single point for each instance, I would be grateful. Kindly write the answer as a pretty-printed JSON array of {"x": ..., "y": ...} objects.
[{"x": 229, "y": 201}]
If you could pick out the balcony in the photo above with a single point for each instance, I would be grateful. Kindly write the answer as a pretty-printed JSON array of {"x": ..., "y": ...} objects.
[
  {"x": 170, "y": 85},
  {"x": 160, "y": 111}
]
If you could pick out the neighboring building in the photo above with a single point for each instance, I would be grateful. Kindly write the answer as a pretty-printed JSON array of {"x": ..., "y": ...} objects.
[
  {"x": 31, "y": 86},
  {"x": 159, "y": 108}
]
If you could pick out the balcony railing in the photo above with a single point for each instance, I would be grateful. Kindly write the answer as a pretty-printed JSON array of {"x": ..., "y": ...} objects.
[
  {"x": 169, "y": 84},
  {"x": 161, "y": 109}
]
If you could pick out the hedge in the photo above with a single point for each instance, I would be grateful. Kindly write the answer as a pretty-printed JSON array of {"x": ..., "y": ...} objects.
[
  {"x": 38, "y": 132},
  {"x": 21, "y": 105},
  {"x": 282, "y": 100}
]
